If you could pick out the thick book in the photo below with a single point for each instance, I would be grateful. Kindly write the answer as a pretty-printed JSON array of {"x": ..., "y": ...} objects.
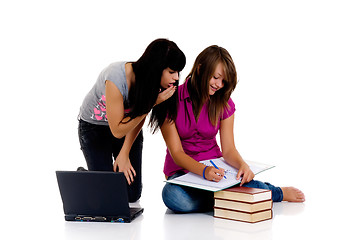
[
  {"x": 243, "y": 206},
  {"x": 242, "y": 216},
  {"x": 193, "y": 180},
  {"x": 244, "y": 194}
]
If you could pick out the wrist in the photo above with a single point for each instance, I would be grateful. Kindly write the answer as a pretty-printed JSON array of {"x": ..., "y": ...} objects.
[
  {"x": 123, "y": 156},
  {"x": 204, "y": 173}
]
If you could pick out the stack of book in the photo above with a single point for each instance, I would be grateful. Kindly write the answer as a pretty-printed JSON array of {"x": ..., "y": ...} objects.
[{"x": 243, "y": 204}]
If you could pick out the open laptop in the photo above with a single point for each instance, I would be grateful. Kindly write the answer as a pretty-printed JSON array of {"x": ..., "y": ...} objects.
[{"x": 95, "y": 196}]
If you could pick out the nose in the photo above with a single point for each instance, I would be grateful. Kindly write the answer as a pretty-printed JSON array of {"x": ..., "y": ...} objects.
[
  {"x": 219, "y": 83},
  {"x": 176, "y": 76}
]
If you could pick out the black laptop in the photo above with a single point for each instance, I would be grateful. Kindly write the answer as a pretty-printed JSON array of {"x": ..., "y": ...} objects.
[{"x": 95, "y": 196}]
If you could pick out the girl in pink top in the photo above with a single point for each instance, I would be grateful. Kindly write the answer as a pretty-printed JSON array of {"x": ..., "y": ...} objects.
[{"x": 204, "y": 107}]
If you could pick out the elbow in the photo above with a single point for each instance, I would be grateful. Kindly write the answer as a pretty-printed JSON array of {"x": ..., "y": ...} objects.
[
  {"x": 228, "y": 154},
  {"x": 177, "y": 157},
  {"x": 117, "y": 131},
  {"x": 224, "y": 155},
  {"x": 118, "y": 134}
]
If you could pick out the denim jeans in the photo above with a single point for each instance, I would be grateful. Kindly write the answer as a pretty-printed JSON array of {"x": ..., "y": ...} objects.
[
  {"x": 182, "y": 199},
  {"x": 100, "y": 148}
]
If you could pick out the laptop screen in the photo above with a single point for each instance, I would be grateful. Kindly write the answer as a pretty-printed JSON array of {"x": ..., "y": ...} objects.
[{"x": 93, "y": 193}]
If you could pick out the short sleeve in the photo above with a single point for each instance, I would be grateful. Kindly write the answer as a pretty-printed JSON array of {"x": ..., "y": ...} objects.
[
  {"x": 115, "y": 73},
  {"x": 229, "y": 110}
]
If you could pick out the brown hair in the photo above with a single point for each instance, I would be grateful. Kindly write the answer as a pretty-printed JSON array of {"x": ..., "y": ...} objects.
[{"x": 200, "y": 75}]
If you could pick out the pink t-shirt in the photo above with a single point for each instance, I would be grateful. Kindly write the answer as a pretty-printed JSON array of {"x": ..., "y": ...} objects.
[{"x": 198, "y": 138}]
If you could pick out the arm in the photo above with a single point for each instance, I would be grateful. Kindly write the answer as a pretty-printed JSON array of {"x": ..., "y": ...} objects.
[
  {"x": 123, "y": 162},
  {"x": 129, "y": 130},
  {"x": 116, "y": 112},
  {"x": 230, "y": 153},
  {"x": 174, "y": 145}
]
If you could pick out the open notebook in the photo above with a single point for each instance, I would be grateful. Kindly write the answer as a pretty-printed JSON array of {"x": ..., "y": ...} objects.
[{"x": 196, "y": 181}]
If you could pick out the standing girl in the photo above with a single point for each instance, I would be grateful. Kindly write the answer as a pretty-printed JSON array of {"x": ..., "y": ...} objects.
[
  {"x": 204, "y": 108},
  {"x": 114, "y": 111}
]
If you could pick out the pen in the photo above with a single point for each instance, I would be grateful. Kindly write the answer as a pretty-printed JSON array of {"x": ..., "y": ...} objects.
[{"x": 215, "y": 166}]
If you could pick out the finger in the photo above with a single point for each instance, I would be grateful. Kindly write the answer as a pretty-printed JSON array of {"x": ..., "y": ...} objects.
[
  {"x": 171, "y": 91},
  {"x": 168, "y": 91},
  {"x": 212, "y": 174},
  {"x": 131, "y": 176},
  {"x": 242, "y": 182},
  {"x": 115, "y": 167},
  {"x": 218, "y": 175},
  {"x": 133, "y": 171},
  {"x": 239, "y": 174},
  {"x": 251, "y": 177},
  {"x": 244, "y": 179},
  {"x": 128, "y": 178}
]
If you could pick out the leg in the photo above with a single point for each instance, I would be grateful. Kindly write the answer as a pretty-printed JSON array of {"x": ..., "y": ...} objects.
[
  {"x": 135, "y": 189},
  {"x": 277, "y": 193},
  {"x": 181, "y": 199},
  {"x": 95, "y": 142},
  {"x": 99, "y": 147}
]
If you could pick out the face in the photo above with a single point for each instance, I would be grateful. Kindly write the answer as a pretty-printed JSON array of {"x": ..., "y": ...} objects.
[
  {"x": 169, "y": 78},
  {"x": 216, "y": 82}
]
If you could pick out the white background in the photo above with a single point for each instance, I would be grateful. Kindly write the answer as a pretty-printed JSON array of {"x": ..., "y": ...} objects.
[{"x": 297, "y": 104}]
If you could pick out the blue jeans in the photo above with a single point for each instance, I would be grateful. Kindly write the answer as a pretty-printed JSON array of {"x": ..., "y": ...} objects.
[
  {"x": 181, "y": 199},
  {"x": 100, "y": 148}
]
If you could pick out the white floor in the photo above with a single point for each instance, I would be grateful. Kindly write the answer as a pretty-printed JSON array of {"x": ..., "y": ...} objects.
[{"x": 33, "y": 208}]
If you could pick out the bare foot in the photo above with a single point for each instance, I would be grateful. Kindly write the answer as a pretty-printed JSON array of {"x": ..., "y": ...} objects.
[{"x": 292, "y": 194}]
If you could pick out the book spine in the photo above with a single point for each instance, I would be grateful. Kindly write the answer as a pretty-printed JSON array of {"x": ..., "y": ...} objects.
[
  {"x": 233, "y": 210},
  {"x": 238, "y": 220},
  {"x": 243, "y": 206},
  {"x": 250, "y": 203},
  {"x": 244, "y": 216}
]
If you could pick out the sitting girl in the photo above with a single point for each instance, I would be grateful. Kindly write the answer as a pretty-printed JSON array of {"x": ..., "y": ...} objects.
[{"x": 204, "y": 108}]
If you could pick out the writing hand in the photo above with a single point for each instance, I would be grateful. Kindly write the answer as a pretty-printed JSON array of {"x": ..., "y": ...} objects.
[{"x": 214, "y": 174}]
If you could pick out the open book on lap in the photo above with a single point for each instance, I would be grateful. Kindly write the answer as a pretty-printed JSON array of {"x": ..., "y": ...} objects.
[{"x": 196, "y": 181}]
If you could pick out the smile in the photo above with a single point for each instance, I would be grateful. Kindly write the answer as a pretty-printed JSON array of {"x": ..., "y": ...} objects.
[{"x": 214, "y": 89}]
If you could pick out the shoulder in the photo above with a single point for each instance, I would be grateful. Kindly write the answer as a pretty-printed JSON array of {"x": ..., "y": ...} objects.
[
  {"x": 229, "y": 109},
  {"x": 115, "y": 69},
  {"x": 116, "y": 73}
]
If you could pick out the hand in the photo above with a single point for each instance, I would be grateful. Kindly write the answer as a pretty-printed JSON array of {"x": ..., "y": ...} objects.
[
  {"x": 246, "y": 173},
  {"x": 165, "y": 94},
  {"x": 123, "y": 164},
  {"x": 214, "y": 174}
]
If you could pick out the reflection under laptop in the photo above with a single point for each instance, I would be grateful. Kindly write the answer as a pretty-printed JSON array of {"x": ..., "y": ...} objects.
[{"x": 95, "y": 196}]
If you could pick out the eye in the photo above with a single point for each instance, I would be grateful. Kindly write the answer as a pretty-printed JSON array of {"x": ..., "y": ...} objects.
[{"x": 215, "y": 77}]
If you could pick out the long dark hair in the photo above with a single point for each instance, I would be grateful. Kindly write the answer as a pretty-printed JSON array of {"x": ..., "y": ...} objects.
[
  {"x": 159, "y": 55},
  {"x": 199, "y": 77}
]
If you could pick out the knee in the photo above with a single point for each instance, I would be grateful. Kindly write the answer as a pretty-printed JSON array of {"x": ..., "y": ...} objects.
[
  {"x": 176, "y": 199},
  {"x": 134, "y": 192}
]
